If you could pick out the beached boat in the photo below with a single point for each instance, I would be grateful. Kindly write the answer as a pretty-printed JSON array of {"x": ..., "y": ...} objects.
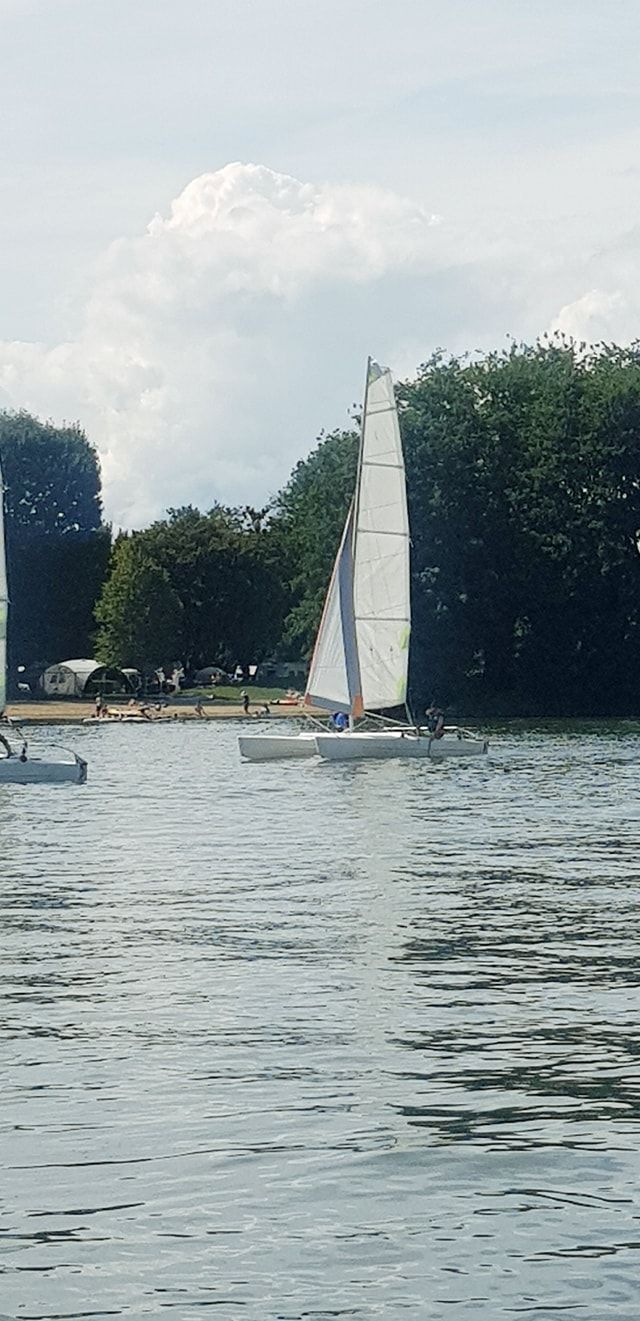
[
  {"x": 18, "y": 766},
  {"x": 115, "y": 718},
  {"x": 360, "y": 661}
]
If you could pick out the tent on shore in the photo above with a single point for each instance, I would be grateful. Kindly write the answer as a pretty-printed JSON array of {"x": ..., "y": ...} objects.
[{"x": 83, "y": 678}]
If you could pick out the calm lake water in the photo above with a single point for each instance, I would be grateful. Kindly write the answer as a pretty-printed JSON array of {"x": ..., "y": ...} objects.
[{"x": 314, "y": 1041}]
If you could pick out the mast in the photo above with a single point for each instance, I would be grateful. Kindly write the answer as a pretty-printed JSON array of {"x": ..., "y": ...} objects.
[
  {"x": 363, "y": 421},
  {"x": 4, "y": 604},
  {"x": 357, "y": 707}
]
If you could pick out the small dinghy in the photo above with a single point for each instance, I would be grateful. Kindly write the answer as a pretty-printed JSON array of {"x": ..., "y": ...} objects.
[
  {"x": 20, "y": 768},
  {"x": 117, "y": 720}
]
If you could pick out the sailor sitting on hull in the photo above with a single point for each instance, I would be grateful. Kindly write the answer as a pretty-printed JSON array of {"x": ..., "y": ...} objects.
[
  {"x": 435, "y": 721},
  {"x": 22, "y": 756}
]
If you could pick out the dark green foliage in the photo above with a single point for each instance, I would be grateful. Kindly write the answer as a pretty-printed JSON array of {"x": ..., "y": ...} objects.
[
  {"x": 139, "y": 612},
  {"x": 57, "y": 546},
  {"x": 524, "y": 475},
  {"x": 311, "y": 511},
  {"x": 221, "y": 577}
]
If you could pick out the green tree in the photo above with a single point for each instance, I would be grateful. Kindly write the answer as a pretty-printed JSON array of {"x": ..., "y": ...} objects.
[
  {"x": 224, "y": 569},
  {"x": 523, "y": 485},
  {"x": 57, "y": 545},
  {"x": 139, "y": 614},
  {"x": 310, "y": 512}
]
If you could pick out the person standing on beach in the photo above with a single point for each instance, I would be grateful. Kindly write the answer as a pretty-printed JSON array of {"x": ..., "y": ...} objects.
[{"x": 245, "y": 701}]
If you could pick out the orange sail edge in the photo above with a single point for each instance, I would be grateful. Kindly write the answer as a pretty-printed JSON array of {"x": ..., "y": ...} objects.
[{"x": 357, "y": 707}]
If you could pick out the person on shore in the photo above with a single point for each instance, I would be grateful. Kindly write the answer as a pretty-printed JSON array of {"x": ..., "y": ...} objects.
[
  {"x": 200, "y": 711},
  {"x": 245, "y": 701},
  {"x": 98, "y": 705}
]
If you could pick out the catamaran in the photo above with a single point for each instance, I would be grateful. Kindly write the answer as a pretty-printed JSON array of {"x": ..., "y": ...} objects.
[
  {"x": 361, "y": 658},
  {"x": 19, "y": 767}
]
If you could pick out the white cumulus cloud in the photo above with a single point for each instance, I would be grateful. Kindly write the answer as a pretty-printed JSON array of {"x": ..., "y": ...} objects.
[
  {"x": 215, "y": 345},
  {"x": 597, "y": 315}
]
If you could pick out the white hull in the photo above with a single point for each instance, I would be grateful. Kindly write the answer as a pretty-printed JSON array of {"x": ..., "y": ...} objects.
[
  {"x": 39, "y": 771},
  {"x": 386, "y": 744},
  {"x": 274, "y": 747},
  {"x": 116, "y": 720}
]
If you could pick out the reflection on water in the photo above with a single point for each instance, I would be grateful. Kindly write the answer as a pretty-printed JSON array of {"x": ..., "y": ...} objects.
[{"x": 298, "y": 1041}]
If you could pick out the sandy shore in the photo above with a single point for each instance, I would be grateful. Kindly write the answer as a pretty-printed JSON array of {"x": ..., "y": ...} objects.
[{"x": 73, "y": 713}]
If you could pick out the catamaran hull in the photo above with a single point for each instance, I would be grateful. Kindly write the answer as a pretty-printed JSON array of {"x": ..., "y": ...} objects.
[
  {"x": 37, "y": 771},
  {"x": 275, "y": 747},
  {"x": 384, "y": 746}
]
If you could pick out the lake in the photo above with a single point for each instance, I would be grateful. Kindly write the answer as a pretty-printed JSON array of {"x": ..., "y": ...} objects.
[{"x": 306, "y": 1041}]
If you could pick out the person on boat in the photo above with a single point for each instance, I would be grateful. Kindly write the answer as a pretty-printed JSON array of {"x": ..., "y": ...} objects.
[
  {"x": 339, "y": 721},
  {"x": 435, "y": 721}
]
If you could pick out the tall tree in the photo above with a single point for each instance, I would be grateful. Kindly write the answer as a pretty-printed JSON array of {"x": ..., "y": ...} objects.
[
  {"x": 57, "y": 545},
  {"x": 223, "y": 568},
  {"x": 310, "y": 513},
  {"x": 523, "y": 482},
  {"x": 139, "y": 613}
]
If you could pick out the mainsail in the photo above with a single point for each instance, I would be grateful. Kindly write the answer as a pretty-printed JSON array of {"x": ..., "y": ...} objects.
[
  {"x": 3, "y": 605},
  {"x": 381, "y": 574},
  {"x": 361, "y": 656}
]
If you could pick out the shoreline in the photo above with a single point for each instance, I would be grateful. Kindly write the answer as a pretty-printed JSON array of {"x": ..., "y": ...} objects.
[{"x": 75, "y": 713}]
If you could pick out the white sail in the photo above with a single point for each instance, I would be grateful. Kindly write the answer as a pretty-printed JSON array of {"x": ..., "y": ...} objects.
[
  {"x": 4, "y": 603},
  {"x": 381, "y": 571},
  {"x": 333, "y": 678}
]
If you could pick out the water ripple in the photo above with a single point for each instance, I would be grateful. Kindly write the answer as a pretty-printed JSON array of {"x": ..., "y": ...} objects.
[{"x": 322, "y": 1041}]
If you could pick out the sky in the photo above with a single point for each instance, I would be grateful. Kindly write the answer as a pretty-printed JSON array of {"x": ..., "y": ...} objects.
[{"x": 213, "y": 211}]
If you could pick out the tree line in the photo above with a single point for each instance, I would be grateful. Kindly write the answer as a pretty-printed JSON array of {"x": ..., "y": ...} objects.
[{"x": 523, "y": 474}]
